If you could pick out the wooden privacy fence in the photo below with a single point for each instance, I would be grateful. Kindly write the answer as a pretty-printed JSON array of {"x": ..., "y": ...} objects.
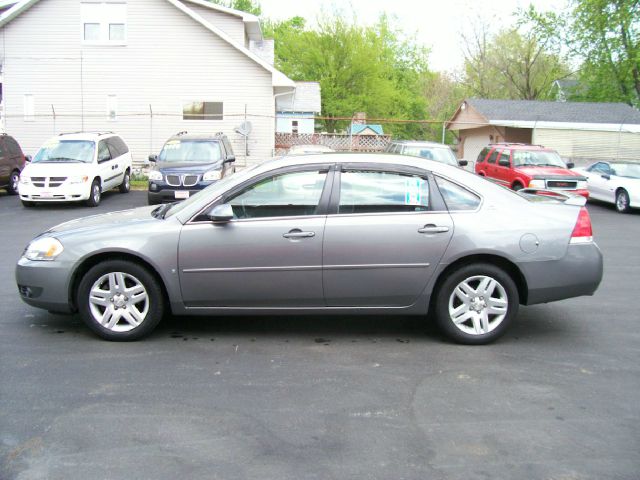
[{"x": 339, "y": 142}]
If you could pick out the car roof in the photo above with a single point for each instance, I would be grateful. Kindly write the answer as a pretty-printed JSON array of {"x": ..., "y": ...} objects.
[
  {"x": 85, "y": 135},
  {"x": 520, "y": 146},
  {"x": 420, "y": 143}
]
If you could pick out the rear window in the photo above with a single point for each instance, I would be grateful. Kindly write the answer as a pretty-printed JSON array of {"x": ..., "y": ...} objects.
[
  {"x": 12, "y": 146},
  {"x": 482, "y": 155}
]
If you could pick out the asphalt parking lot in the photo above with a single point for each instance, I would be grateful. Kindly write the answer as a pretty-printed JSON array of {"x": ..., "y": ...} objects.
[{"x": 319, "y": 398}]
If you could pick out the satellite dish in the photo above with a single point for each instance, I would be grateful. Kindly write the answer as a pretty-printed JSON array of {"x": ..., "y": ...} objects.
[{"x": 244, "y": 129}]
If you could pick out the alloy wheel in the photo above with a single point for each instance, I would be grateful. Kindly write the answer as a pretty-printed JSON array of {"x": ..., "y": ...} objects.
[
  {"x": 478, "y": 305},
  {"x": 118, "y": 301}
]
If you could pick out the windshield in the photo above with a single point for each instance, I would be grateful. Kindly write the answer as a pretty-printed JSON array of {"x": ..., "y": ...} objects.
[
  {"x": 629, "y": 170},
  {"x": 442, "y": 155},
  {"x": 196, "y": 151},
  {"x": 66, "y": 151},
  {"x": 537, "y": 159}
]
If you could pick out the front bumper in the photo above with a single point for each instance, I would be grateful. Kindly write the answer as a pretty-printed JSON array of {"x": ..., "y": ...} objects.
[
  {"x": 45, "y": 284},
  {"x": 161, "y": 192},
  {"x": 67, "y": 192},
  {"x": 578, "y": 273}
]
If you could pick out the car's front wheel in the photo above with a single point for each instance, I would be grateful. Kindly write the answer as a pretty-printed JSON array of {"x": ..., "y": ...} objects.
[
  {"x": 622, "y": 201},
  {"x": 120, "y": 300},
  {"x": 95, "y": 194},
  {"x": 476, "y": 303}
]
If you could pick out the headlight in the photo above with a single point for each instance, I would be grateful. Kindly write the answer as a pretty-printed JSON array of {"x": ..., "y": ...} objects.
[
  {"x": 25, "y": 180},
  {"x": 537, "y": 184},
  {"x": 212, "y": 175},
  {"x": 78, "y": 179},
  {"x": 47, "y": 248},
  {"x": 155, "y": 175}
]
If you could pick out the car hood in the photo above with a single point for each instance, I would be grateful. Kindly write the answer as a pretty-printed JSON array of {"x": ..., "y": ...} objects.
[
  {"x": 545, "y": 172},
  {"x": 57, "y": 169},
  {"x": 107, "y": 220},
  {"x": 185, "y": 167}
]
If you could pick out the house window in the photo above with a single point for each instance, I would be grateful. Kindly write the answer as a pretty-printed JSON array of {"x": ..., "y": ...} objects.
[
  {"x": 294, "y": 126},
  {"x": 29, "y": 108},
  {"x": 202, "y": 111},
  {"x": 104, "y": 22},
  {"x": 112, "y": 107}
]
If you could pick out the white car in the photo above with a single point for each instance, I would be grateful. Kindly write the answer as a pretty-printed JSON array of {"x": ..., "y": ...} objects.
[
  {"x": 75, "y": 167},
  {"x": 614, "y": 182},
  {"x": 310, "y": 148}
]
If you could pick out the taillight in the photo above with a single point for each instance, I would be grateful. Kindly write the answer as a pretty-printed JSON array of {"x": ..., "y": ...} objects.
[{"x": 582, "y": 232}]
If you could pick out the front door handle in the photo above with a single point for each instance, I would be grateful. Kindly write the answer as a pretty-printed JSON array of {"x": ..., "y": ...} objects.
[
  {"x": 297, "y": 233},
  {"x": 431, "y": 228}
]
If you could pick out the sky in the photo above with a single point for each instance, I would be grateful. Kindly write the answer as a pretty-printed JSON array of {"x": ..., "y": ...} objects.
[{"x": 438, "y": 25}]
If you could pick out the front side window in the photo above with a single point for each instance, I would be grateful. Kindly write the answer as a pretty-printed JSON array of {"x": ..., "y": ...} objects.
[
  {"x": 103, "y": 152},
  {"x": 456, "y": 197},
  {"x": 285, "y": 195},
  {"x": 600, "y": 167},
  {"x": 202, "y": 111},
  {"x": 196, "y": 151},
  {"x": 66, "y": 151},
  {"x": 382, "y": 192}
]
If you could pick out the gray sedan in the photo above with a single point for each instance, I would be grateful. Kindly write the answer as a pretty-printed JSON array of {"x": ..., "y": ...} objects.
[{"x": 332, "y": 233}]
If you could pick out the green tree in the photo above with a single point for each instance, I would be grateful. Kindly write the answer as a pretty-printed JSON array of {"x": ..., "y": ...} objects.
[
  {"x": 249, "y": 6},
  {"x": 512, "y": 65},
  {"x": 603, "y": 37},
  {"x": 370, "y": 69}
]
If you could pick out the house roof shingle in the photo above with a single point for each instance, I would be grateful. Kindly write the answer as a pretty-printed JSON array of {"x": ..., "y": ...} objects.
[{"x": 569, "y": 112}]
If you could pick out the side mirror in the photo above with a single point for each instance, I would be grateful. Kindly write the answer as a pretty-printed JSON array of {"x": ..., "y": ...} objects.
[
  {"x": 230, "y": 158},
  {"x": 463, "y": 163},
  {"x": 28, "y": 158},
  {"x": 606, "y": 176},
  {"x": 221, "y": 213},
  {"x": 570, "y": 165},
  {"x": 153, "y": 158},
  {"x": 504, "y": 163}
]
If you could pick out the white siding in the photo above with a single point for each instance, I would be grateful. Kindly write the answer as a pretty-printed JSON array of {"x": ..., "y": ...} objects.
[
  {"x": 590, "y": 145},
  {"x": 229, "y": 24},
  {"x": 169, "y": 58}
]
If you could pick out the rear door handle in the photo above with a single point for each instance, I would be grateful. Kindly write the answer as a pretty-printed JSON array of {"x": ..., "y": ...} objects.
[
  {"x": 431, "y": 228},
  {"x": 297, "y": 233}
]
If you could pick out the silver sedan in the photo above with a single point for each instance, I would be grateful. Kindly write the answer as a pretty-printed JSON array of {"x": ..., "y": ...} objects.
[{"x": 331, "y": 233}]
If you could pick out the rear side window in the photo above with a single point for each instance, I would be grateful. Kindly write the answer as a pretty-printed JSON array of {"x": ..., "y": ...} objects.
[
  {"x": 456, "y": 197},
  {"x": 382, "y": 192},
  {"x": 482, "y": 155},
  {"x": 118, "y": 145},
  {"x": 494, "y": 156}
]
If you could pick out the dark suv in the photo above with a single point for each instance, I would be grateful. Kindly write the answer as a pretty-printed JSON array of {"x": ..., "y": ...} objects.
[
  {"x": 187, "y": 164},
  {"x": 12, "y": 162}
]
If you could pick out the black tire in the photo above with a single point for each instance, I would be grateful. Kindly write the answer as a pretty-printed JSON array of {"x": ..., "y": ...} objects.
[
  {"x": 14, "y": 180},
  {"x": 517, "y": 186},
  {"x": 468, "y": 273},
  {"x": 28, "y": 204},
  {"x": 153, "y": 305},
  {"x": 95, "y": 194},
  {"x": 622, "y": 201},
  {"x": 125, "y": 186}
]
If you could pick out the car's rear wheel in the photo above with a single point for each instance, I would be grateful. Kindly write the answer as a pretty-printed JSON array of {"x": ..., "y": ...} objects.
[
  {"x": 476, "y": 304},
  {"x": 14, "y": 180},
  {"x": 95, "y": 194},
  {"x": 125, "y": 186},
  {"x": 120, "y": 300},
  {"x": 622, "y": 201}
]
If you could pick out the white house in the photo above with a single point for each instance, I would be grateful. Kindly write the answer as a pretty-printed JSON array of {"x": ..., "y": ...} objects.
[
  {"x": 144, "y": 69},
  {"x": 296, "y": 111}
]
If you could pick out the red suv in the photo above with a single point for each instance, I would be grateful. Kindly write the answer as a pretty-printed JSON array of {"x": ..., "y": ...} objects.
[{"x": 516, "y": 165}]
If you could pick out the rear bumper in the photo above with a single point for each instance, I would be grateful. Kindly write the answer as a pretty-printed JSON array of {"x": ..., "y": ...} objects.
[{"x": 578, "y": 273}]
